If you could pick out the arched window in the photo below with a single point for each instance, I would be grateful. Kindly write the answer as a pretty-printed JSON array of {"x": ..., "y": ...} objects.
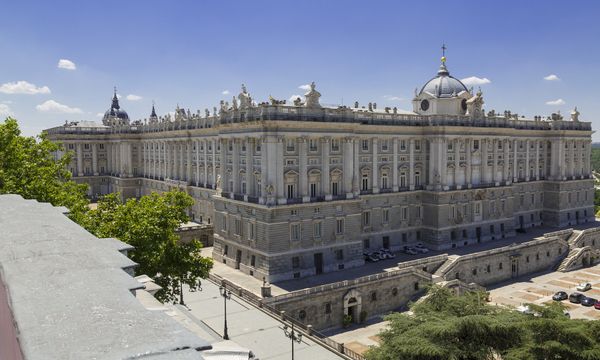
[
  {"x": 314, "y": 183},
  {"x": 336, "y": 182}
]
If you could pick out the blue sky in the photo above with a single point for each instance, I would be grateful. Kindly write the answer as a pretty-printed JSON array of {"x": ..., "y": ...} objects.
[{"x": 190, "y": 52}]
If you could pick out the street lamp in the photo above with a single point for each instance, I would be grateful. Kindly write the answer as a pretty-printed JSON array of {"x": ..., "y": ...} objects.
[
  {"x": 295, "y": 336},
  {"x": 226, "y": 294}
]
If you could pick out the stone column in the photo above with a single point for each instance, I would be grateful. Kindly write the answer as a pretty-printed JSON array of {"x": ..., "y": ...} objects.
[
  {"x": 188, "y": 174},
  {"x": 264, "y": 170},
  {"x": 561, "y": 159},
  {"x": 325, "y": 147},
  {"x": 94, "y": 158},
  {"x": 411, "y": 164},
  {"x": 205, "y": 146},
  {"x": 197, "y": 144},
  {"x": 223, "y": 164},
  {"x": 395, "y": 165},
  {"x": 375, "y": 172},
  {"x": 495, "y": 164},
  {"x": 433, "y": 149},
  {"x": 469, "y": 170},
  {"x": 484, "y": 162},
  {"x": 79, "y": 159},
  {"x": 303, "y": 169},
  {"x": 572, "y": 159},
  {"x": 527, "y": 174},
  {"x": 505, "y": 169},
  {"x": 250, "y": 168},
  {"x": 443, "y": 156},
  {"x": 109, "y": 158},
  {"x": 182, "y": 157},
  {"x": 214, "y": 162},
  {"x": 235, "y": 172},
  {"x": 537, "y": 160},
  {"x": 348, "y": 166},
  {"x": 356, "y": 177},
  {"x": 457, "y": 162},
  {"x": 515, "y": 160}
]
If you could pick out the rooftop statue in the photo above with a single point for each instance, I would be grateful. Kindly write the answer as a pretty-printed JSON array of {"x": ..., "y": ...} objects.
[
  {"x": 575, "y": 115},
  {"x": 312, "y": 97},
  {"x": 245, "y": 99}
]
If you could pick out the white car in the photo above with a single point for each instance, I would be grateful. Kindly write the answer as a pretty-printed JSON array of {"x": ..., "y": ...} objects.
[
  {"x": 584, "y": 286},
  {"x": 421, "y": 249}
]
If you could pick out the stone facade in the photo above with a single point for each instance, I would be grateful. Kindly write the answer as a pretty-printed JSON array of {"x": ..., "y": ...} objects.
[{"x": 296, "y": 190}]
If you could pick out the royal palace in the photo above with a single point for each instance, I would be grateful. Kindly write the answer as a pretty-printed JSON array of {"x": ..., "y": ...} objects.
[{"x": 298, "y": 188}]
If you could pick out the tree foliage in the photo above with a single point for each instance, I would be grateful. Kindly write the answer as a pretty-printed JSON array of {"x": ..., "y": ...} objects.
[
  {"x": 447, "y": 326},
  {"x": 28, "y": 167},
  {"x": 149, "y": 225}
]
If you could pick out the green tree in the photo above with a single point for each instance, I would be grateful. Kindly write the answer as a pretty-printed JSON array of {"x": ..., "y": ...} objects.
[
  {"x": 149, "y": 225},
  {"x": 28, "y": 167},
  {"x": 447, "y": 326}
]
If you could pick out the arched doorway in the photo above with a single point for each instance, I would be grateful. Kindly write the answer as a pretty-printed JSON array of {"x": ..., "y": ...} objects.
[{"x": 353, "y": 304}]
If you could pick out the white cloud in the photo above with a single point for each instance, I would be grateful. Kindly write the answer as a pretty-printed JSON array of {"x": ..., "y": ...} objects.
[
  {"x": 132, "y": 97},
  {"x": 66, "y": 64},
  {"x": 304, "y": 87},
  {"x": 100, "y": 114},
  {"x": 55, "y": 107},
  {"x": 474, "y": 81},
  {"x": 225, "y": 92},
  {"x": 556, "y": 102},
  {"x": 393, "y": 98},
  {"x": 23, "y": 87},
  {"x": 5, "y": 110},
  {"x": 294, "y": 97},
  {"x": 551, "y": 77}
]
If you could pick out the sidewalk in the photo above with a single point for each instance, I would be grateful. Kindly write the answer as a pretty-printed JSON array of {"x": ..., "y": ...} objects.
[{"x": 248, "y": 326}]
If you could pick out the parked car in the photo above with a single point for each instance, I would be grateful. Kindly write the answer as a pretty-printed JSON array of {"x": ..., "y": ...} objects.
[
  {"x": 386, "y": 254},
  {"x": 380, "y": 254},
  {"x": 560, "y": 296},
  {"x": 576, "y": 298},
  {"x": 421, "y": 249},
  {"x": 525, "y": 309},
  {"x": 584, "y": 286},
  {"x": 597, "y": 305},
  {"x": 588, "y": 301},
  {"x": 371, "y": 257},
  {"x": 410, "y": 250}
]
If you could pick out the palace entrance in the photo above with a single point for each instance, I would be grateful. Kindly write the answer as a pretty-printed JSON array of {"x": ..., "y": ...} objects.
[{"x": 353, "y": 305}]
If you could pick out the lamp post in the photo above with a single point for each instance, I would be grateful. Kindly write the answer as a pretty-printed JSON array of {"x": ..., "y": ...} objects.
[
  {"x": 295, "y": 336},
  {"x": 226, "y": 294}
]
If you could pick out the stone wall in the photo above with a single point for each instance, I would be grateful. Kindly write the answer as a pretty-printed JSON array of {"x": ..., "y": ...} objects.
[
  {"x": 497, "y": 265},
  {"x": 325, "y": 306}
]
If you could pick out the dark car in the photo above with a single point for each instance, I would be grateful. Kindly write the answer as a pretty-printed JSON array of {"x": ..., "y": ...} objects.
[
  {"x": 597, "y": 305},
  {"x": 560, "y": 296},
  {"x": 588, "y": 301},
  {"x": 576, "y": 298}
]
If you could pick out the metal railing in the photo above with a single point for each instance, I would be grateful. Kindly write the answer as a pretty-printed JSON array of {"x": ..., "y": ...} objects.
[{"x": 314, "y": 335}]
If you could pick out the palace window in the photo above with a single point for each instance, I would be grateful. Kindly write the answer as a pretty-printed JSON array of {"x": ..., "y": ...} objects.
[
  {"x": 313, "y": 189},
  {"x": 339, "y": 254},
  {"x": 339, "y": 226},
  {"x": 238, "y": 227},
  {"x": 402, "y": 145},
  {"x": 251, "y": 231},
  {"x": 317, "y": 229},
  {"x": 335, "y": 188},
  {"x": 418, "y": 145},
  {"x": 384, "y": 145},
  {"x": 295, "y": 262},
  {"x": 385, "y": 216},
  {"x": 312, "y": 145},
  {"x": 253, "y": 261},
  {"x": 365, "y": 145},
  {"x": 86, "y": 146},
  {"x": 417, "y": 178},
  {"x": 384, "y": 180},
  {"x": 290, "y": 145},
  {"x": 335, "y": 145},
  {"x": 365, "y": 182},
  {"x": 405, "y": 213},
  {"x": 475, "y": 144},
  {"x": 366, "y": 218},
  {"x": 295, "y": 232},
  {"x": 402, "y": 179},
  {"x": 101, "y": 146},
  {"x": 257, "y": 148}
]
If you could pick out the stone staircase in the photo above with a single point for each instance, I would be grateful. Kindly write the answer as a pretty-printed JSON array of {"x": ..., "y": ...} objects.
[
  {"x": 574, "y": 255},
  {"x": 447, "y": 266}
]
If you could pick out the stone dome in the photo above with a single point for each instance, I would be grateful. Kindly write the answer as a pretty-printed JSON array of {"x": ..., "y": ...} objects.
[
  {"x": 444, "y": 85},
  {"x": 115, "y": 115}
]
